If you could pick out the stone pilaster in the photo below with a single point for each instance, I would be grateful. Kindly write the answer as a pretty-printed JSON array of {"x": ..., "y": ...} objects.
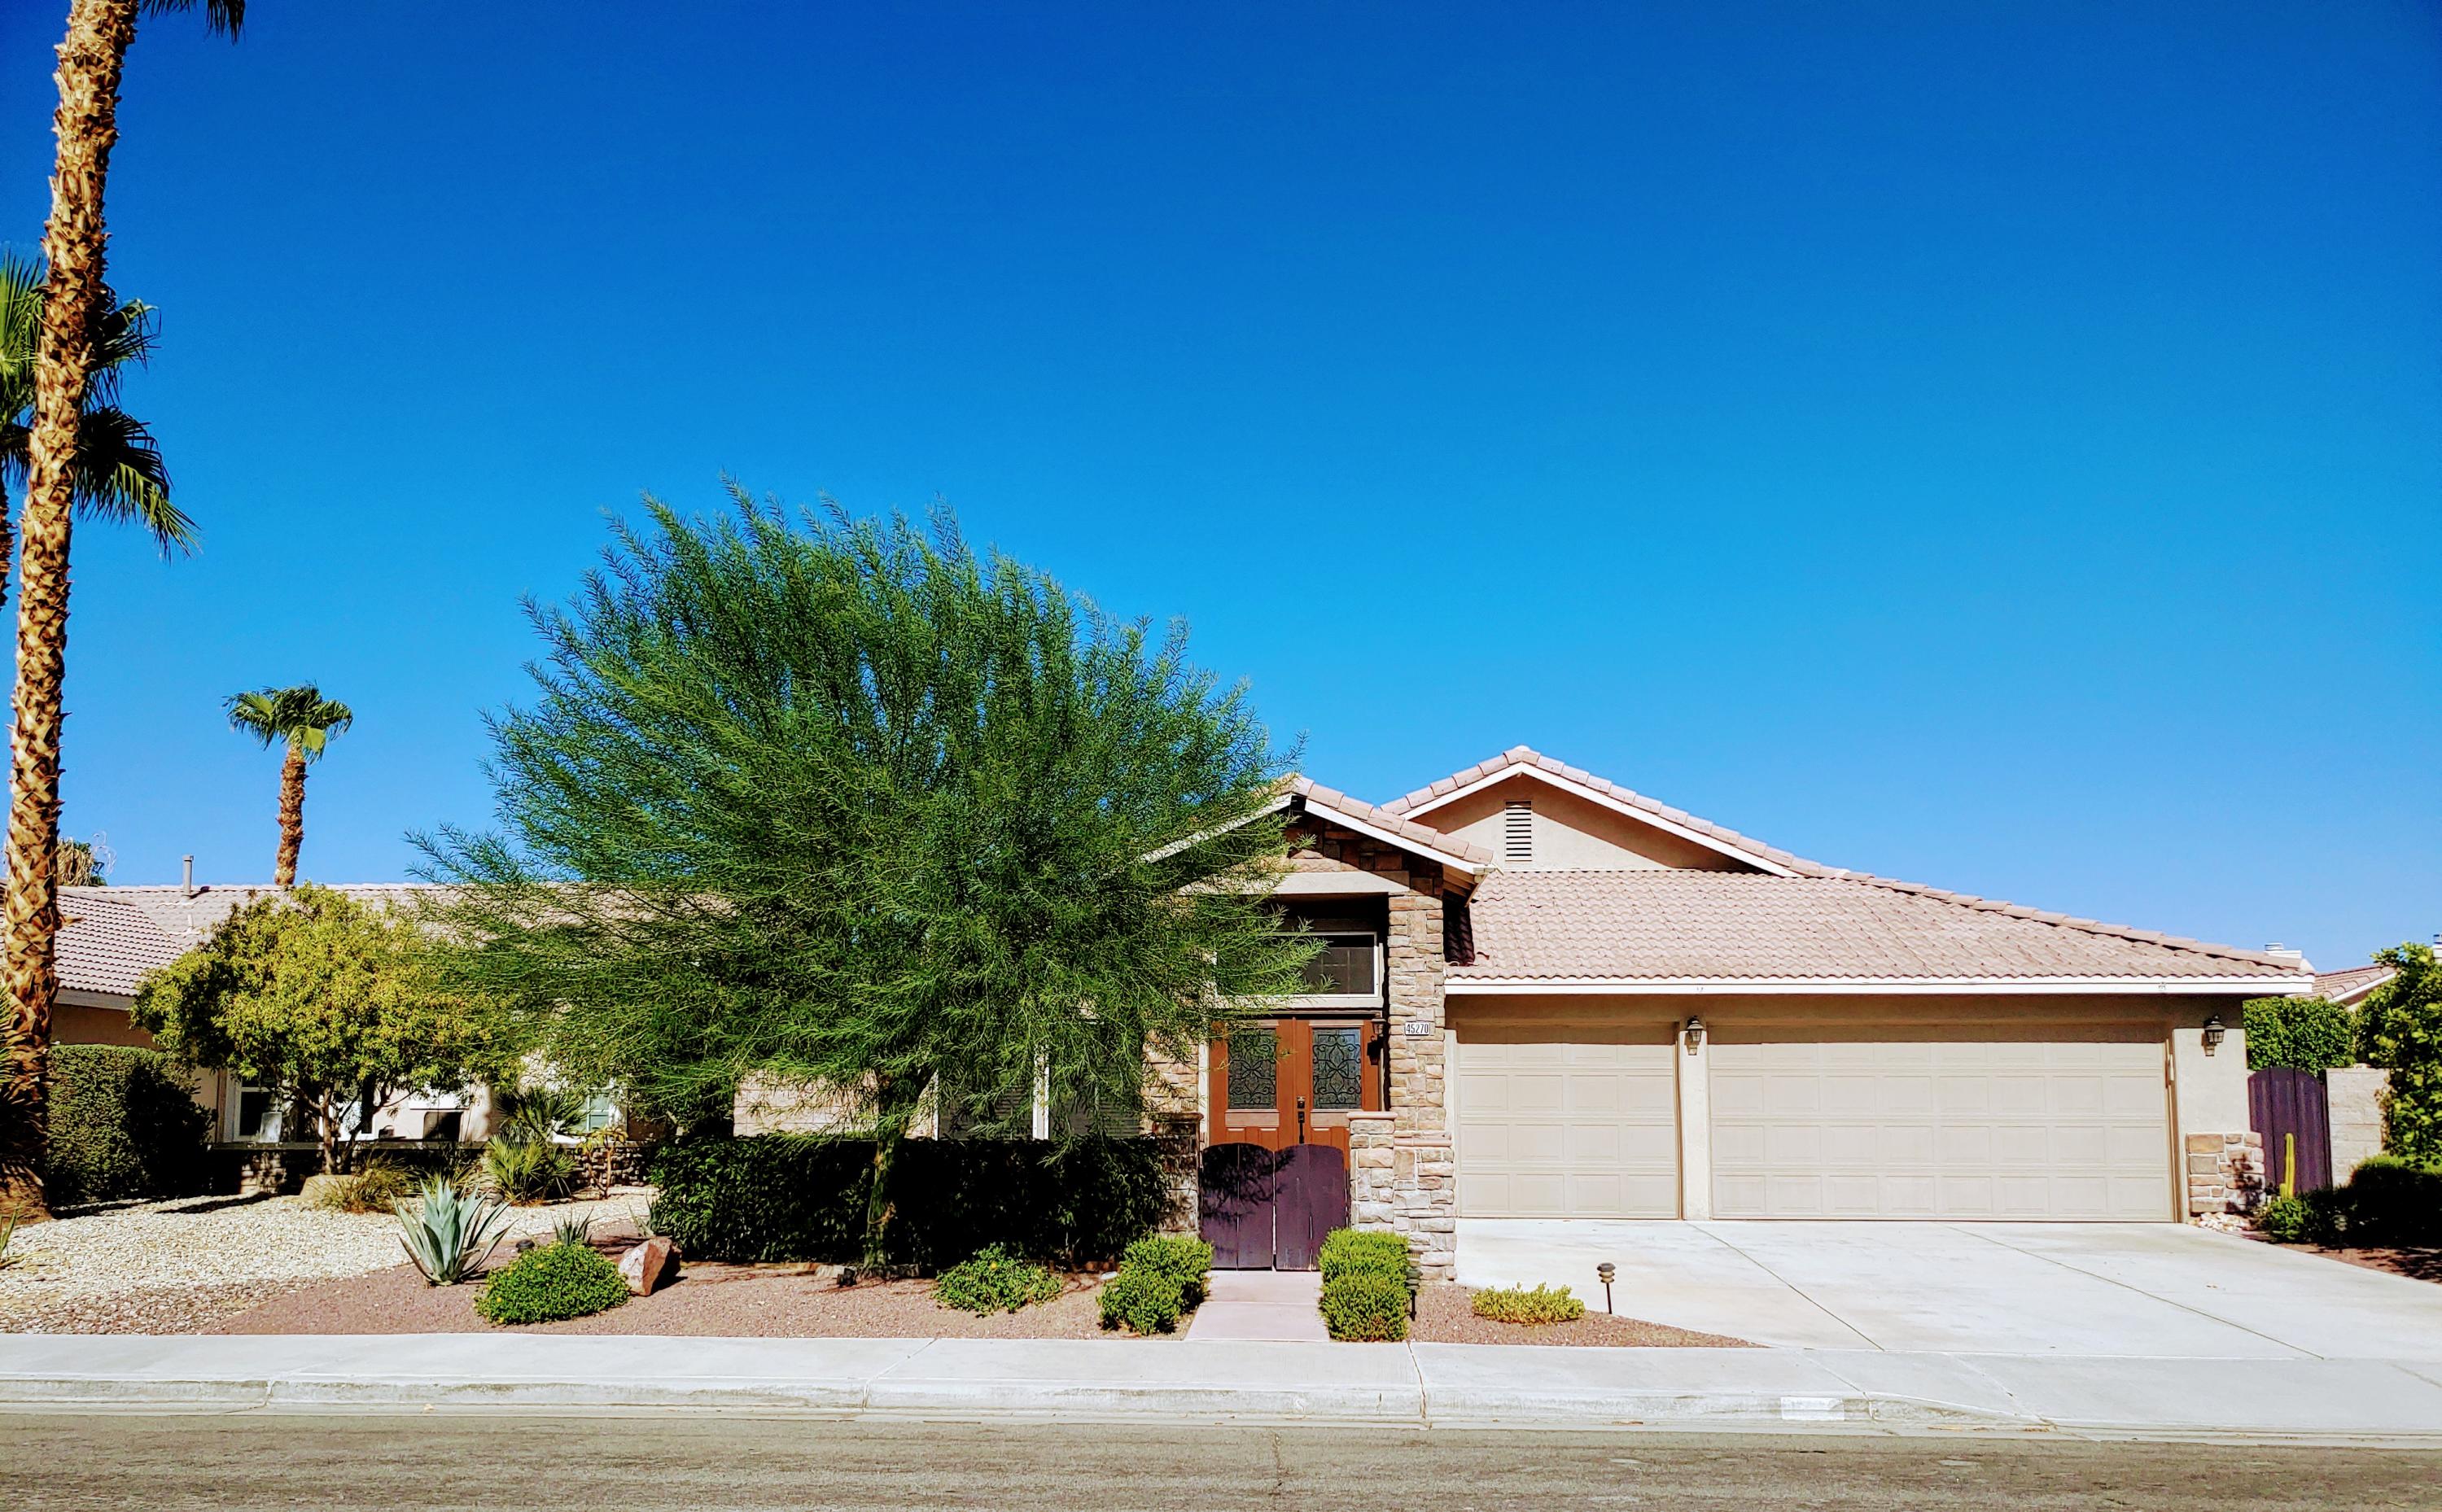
[{"x": 2225, "y": 1172}]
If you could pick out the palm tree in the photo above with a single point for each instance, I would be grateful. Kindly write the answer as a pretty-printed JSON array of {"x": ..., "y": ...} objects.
[
  {"x": 303, "y": 720},
  {"x": 118, "y": 474},
  {"x": 91, "y": 59}
]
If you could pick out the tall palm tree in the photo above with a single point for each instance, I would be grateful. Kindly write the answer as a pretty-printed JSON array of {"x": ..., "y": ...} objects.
[
  {"x": 303, "y": 720},
  {"x": 91, "y": 59}
]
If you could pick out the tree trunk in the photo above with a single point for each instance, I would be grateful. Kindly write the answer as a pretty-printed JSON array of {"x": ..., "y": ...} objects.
[
  {"x": 327, "y": 1134},
  {"x": 292, "y": 817},
  {"x": 86, "y": 126},
  {"x": 895, "y": 1107}
]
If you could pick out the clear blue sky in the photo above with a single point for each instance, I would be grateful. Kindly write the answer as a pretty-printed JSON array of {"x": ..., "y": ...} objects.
[{"x": 1995, "y": 447}]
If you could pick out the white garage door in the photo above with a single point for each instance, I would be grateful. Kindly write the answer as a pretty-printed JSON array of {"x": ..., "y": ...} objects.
[
  {"x": 1567, "y": 1131},
  {"x": 1892, "y": 1129}
]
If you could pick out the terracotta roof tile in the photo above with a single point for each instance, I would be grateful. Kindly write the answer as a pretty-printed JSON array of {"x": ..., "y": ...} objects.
[
  {"x": 1742, "y": 925},
  {"x": 2351, "y": 983},
  {"x": 114, "y": 935},
  {"x": 1332, "y": 800}
]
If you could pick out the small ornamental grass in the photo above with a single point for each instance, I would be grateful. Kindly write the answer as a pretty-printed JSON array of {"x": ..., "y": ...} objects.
[
  {"x": 1531, "y": 1306},
  {"x": 379, "y": 1186},
  {"x": 994, "y": 1280},
  {"x": 550, "y": 1283}
]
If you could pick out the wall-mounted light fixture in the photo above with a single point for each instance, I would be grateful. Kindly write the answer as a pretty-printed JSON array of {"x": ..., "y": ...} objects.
[
  {"x": 2214, "y": 1032},
  {"x": 1695, "y": 1033}
]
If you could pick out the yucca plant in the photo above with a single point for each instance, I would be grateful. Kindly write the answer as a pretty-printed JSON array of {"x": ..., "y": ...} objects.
[
  {"x": 450, "y": 1232},
  {"x": 528, "y": 1170},
  {"x": 573, "y": 1228}
]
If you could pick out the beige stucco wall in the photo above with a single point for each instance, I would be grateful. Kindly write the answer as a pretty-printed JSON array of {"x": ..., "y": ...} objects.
[
  {"x": 1570, "y": 832},
  {"x": 2355, "y": 1097}
]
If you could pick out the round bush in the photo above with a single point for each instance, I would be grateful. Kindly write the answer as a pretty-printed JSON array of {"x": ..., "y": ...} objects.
[
  {"x": 1144, "y": 1299},
  {"x": 1366, "y": 1304},
  {"x": 2286, "y": 1220},
  {"x": 546, "y": 1284},
  {"x": 1185, "y": 1261},
  {"x": 994, "y": 1282}
]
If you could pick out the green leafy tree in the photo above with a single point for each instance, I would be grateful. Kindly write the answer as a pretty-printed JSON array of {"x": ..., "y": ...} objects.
[
  {"x": 845, "y": 806},
  {"x": 331, "y": 1001},
  {"x": 2403, "y": 1032},
  {"x": 2303, "y": 1033},
  {"x": 301, "y": 721}
]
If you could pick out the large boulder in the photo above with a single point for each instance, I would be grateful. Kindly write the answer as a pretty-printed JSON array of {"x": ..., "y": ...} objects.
[{"x": 651, "y": 1264}]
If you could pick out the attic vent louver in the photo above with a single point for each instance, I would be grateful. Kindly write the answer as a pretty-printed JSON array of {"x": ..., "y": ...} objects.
[{"x": 1518, "y": 831}]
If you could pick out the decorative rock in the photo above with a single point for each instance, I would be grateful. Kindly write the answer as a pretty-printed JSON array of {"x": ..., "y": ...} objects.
[
  {"x": 649, "y": 1265},
  {"x": 324, "y": 1191}
]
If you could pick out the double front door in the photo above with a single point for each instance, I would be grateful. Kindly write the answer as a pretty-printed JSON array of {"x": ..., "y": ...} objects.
[{"x": 1279, "y": 1082}]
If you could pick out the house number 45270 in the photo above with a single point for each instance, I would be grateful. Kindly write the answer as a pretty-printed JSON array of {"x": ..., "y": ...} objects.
[{"x": 1417, "y": 1029}]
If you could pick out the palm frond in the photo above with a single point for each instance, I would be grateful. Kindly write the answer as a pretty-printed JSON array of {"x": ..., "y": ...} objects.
[
  {"x": 224, "y": 17},
  {"x": 298, "y": 717},
  {"x": 120, "y": 476}
]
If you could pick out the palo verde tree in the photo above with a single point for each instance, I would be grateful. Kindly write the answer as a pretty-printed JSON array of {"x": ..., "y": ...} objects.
[
  {"x": 844, "y": 806},
  {"x": 301, "y": 721},
  {"x": 336, "y": 1003}
]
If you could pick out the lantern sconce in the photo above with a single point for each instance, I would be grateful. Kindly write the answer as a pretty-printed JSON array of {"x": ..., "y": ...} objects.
[
  {"x": 1695, "y": 1034},
  {"x": 2214, "y": 1032}
]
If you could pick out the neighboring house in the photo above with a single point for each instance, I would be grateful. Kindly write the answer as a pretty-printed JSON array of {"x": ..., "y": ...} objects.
[
  {"x": 2350, "y": 987},
  {"x": 110, "y": 937}
]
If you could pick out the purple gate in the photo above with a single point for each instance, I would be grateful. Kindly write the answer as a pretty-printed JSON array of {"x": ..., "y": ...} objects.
[
  {"x": 1271, "y": 1210},
  {"x": 2286, "y": 1106}
]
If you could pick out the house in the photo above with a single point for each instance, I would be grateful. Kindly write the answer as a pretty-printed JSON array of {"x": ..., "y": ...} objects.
[
  {"x": 2353, "y": 985},
  {"x": 1544, "y": 996},
  {"x": 111, "y": 937}
]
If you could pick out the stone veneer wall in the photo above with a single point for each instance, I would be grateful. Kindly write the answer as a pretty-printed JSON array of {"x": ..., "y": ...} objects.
[
  {"x": 2225, "y": 1172},
  {"x": 1402, "y": 1170}
]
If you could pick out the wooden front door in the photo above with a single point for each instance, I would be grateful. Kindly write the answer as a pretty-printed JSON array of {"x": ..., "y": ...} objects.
[{"x": 1279, "y": 1082}]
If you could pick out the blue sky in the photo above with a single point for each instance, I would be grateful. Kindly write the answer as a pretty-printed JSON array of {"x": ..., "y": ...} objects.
[{"x": 1993, "y": 446}]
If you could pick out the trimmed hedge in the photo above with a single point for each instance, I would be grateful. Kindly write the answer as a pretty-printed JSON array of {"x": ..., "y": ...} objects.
[
  {"x": 802, "y": 1197},
  {"x": 1351, "y": 1250},
  {"x": 123, "y": 1123},
  {"x": 2303, "y": 1034},
  {"x": 1531, "y": 1306},
  {"x": 1188, "y": 1261},
  {"x": 2389, "y": 1202},
  {"x": 1368, "y": 1284}
]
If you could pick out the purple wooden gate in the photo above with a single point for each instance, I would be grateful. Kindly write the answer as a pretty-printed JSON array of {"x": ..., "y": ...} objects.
[
  {"x": 2285, "y": 1105},
  {"x": 1271, "y": 1210}
]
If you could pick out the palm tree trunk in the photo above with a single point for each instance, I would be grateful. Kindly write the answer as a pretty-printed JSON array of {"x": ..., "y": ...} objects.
[
  {"x": 91, "y": 58},
  {"x": 292, "y": 817}
]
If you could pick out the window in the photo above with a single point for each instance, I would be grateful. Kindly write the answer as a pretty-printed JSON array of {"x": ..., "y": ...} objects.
[
  {"x": 258, "y": 1114},
  {"x": 1254, "y": 1069},
  {"x": 1338, "y": 1068},
  {"x": 601, "y": 1111},
  {"x": 1344, "y": 967}
]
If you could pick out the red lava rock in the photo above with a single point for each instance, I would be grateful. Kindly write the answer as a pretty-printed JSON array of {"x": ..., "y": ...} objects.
[{"x": 649, "y": 1263}]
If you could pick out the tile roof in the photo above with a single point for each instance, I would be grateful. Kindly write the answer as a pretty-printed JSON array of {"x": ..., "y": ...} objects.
[
  {"x": 1633, "y": 925},
  {"x": 1331, "y": 800},
  {"x": 2348, "y": 985},
  {"x": 1531, "y": 759},
  {"x": 112, "y": 937}
]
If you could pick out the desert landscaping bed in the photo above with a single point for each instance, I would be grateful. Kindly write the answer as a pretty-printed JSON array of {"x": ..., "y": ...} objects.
[
  {"x": 179, "y": 1266},
  {"x": 1444, "y": 1314}
]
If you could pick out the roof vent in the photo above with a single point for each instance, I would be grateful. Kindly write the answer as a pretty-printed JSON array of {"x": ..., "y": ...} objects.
[{"x": 1518, "y": 831}]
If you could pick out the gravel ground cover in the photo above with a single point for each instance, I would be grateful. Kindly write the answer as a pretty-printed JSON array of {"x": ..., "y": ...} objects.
[
  {"x": 741, "y": 1301},
  {"x": 1444, "y": 1314},
  {"x": 175, "y": 1268}
]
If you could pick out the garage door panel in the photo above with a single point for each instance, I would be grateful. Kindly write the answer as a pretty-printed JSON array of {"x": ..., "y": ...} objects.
[
  {"x": 1896, "y": 1128},
  {"x": 1553, "y": 1130}
]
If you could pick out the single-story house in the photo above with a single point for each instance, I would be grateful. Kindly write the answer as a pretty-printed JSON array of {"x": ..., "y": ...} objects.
[{"x": 1548, "y": 996}]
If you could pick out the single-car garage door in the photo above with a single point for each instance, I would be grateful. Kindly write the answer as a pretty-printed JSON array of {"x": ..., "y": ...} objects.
[
  {"x": 1900, "y": 1129},
  {"x": 1553, "y": 1130}
]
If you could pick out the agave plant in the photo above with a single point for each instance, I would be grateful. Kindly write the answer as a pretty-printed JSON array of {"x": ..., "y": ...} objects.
[
  {"x": 573, "y": 1228},
  {"x": 450, "y": 1232}
]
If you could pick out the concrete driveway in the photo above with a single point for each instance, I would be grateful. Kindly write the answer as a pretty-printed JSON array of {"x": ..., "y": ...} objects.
[{"x": 2149, "y": 1289}]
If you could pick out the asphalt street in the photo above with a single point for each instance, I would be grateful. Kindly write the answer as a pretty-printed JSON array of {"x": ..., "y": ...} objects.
[{"x": 434, "y": 1461}]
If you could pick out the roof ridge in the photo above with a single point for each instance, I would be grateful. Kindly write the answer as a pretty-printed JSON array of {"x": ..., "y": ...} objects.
[
  {"x": 1355, "y": 808},
  {"x": 2090, "y": 926}
]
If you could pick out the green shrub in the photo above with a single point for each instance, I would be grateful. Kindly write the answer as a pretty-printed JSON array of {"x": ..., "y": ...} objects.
[
  {"x": 2392, "y": 1201},
  {"x": 2403, "y": 1025},
  {"x": 801, "y": 1197},
  {"x": 1186, "y": 1260},
  {"x": 2303, "y": 1034},
  {"x": 1366, "y": 1302},
  {"x": 2288, "y": 1220},
  {"x": 1146, "y": 1301},
  {"x": 123, "y": 1123},
  {"x": 552, "y": 1283},
  {"x": 994, "y": 1280},
  {"x": 1532, "y": 1305},
  {"x": 528, "y": 1170},
  {"x": 1350, "y": 1249}
]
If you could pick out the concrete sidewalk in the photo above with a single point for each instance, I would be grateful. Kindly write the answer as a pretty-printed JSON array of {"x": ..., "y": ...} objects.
[{"x": 1180, "y": 1381}]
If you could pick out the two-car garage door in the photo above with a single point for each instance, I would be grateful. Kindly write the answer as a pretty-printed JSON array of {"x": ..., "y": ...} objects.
[{"x": 1866, "y": 1128}]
